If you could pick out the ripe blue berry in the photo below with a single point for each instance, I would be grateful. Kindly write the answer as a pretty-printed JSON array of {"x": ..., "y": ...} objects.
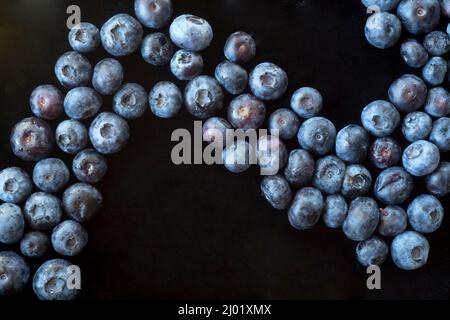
[
  {"x": 357, "y": 181},
  {"x": 108, "y": 76},
  {"x": 362, "y": 219},
  {"x": 307, "y": 102},
  {"x": 215, "y": 131},
  {"x": 416, "y": 126},
  {"x": 438, "y": 102},
  {"x": 186, "y": 65},
  {"x": 408, "y": 93},
  {"x": 393, "y": 221},
  {"x": 434, "y": 71},
  {"x": 35, "y": 244},
  {"x": 421, "y": 158},
  {"x": 425, "y": 214},
  {"x": 383, "y": 30},
  {"x": 89, "y": 166},
  {"x": 42, "y": 211},
  {"x": 51, "y": 175},
  {"x": 352, "y": 144},
  {"x": 268, "y": 81},
  {"x": 153, "y": 13},
  {"x": 82, "y": 103},
  {"x": 71, "y": 136},
  {"x": 385, "y": 153},
  {"x": 165, "y": 99},
  {"x": 109, "y": 133},
  {"x": 393, "y": 186},
  {"x": 306, "y": 208},
  {"x": 372, "y": 251},
  {"x": 437, "y": 43},
  {"x": 46, "y": 102},
  {"x": 271, "y": 154},
  {"x": 121, "y": 35},
  {"x": 203, "y": 97},
  {"x": 240, "y": 47},
  {"x": 232, "y": 77},
  {"x": 84, "y": 37},
  {"x": 81, "y": 201},
  {"x": 191, "y": 33},
  {"x": 12, "y": 223},
  {"x": 246, "y": 112},
  {"x": 69, "y": 238},
  {"x": 380, "y": 118},
  {"x": 14, "y": 273},
  {"x": 73, "y": 70},
  {"x": 440, "y": 135},
  {"x": 284, "y": 122},
  {"x": 276, "y": 191},
  {"x": 419, "y": 16},
  {"x": 438, "y": 183},
  {"x": 300, "y": 168},
  {"x": 15, "y": 185},
  {"x": 329, "y": 174},
  {"x": 237, "y": 157},
  {"x": 410, "y": 250},
  {"x": 334, "y": 211},
  {"x": 413, "y": 53},
  {"x": 317, "y": 135},
  {"x": 157, "y": 49},
  {"x": 131, "y": 101}
]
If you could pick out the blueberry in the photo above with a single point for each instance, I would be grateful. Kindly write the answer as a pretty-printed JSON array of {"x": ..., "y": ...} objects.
[
  {"x": 15, "y": 185},
  {"x": 69, "y": 238},
  {"x": 246, "y": 112},
  {"x": 109, "y": 133},
  {"x": 393, "y": 221},
  {"x": 383, "y": 30},
  {"x": 276, "y": 191},
  {"x": 51, "y": 175},
  {"x": 393, "y": 186},
  {"x": 46, "y": 102},
  {"x": 438, "y": 183},
  {"x": 421, "y": 158},
  {"x": 131, "y": 101},
  {"x": 385, "y": 153},
  {"x": 445, "y": 7},
  {"x": 438, "y": 102},
  {"x": 240, "y": 47},
  {"x": 186, "y": 65},
  {"x": 284, "y": 123},
  {"x": 84, "y": 37},
  {"x": 71, "y": 136},
  {"x": 191, "y": 33},
  {"x": 81, "y": 201},
  {"x": 317, "y": 135},
  {"x": 121, "y": 35},
  {"x": 89, "y": 166},
  {"x": 413, "y": 53},
  {"x": 434, "y": 71},
  {"x": 42, "y": 211},
  {"x": 425, "y": 214},
  {"x": 352, "y": 144},
  {"x": 307, "y": 102},
  {"x": 14, "y": 273},
  {"x": 157, "y": 49},
  {"x": 51, "y": 279},
  {"x": 12, "y": 223},
  {"x": 32, "y": 139},
  {"x": 73, "y": 70},
  {"x": 300, "y": 168},
  {"x": 334, "y": 211},
  {"x": 416, "y": 126},
  {"x": 372, "y": 251},
  {"x": 357, "y": 181},
  {"x": 272, "y": 154},
  {"x": 268, "y": 81},
  {"x": 203, "y": 97},
  {"x": 306, "y": 208},
  {"x": 440, "y": 135},
  {"x": 419, "y": 16},
  {"x": 108, "y": 76},
  {"x": 165, "y": 99},
  {"x": 82, "y": 103},
  {"x": 215, "y": 131},
  {"x": 329, "y": 174},
  {"x": 35, "y": 244},
  {"x": 382, "y": 5},
  {"x": 153, "y": 13},
  {"x": 232, "y": 77},
  {"x": 362, "y": 219},
  {"x": 237, "y": 157},
  {"x": 410, "y": 250},
  {"x": 380, "y": 118},
  {"x": 437, "y": 43},
  {"x": 408, "y": 93}
]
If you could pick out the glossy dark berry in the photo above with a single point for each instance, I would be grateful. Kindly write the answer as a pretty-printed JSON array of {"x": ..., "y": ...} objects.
[
  {"x": 81, "y": 201},
  {"x": 35, "y": 244},
  {"x": 383, "y": 30},
  {"x": 51, "y": 175},
  {"x": 334, "y": 211},
  {"x": 393, "y": 186},
  {"x": 434, "y": 71},
  {"x": 372, "y": 251},
  {"x": 82, "y": 103},
  {"x": 300, "y": 168},
  {"x": 438, "y": 102},
  {"x": 408, "y": 93},
  {"x": 362, "y": 219},
  {"x": 69, "y": 238},
  {"x": 153, "y": 13},
  {"x": 165, "y": 99},
  {"x": 121, "y": 35},
  {"x": 157, "y": 49},
  {"x": 12, "y": 223},
  {"x": 203, "y": 97},
  {"x": 285, "y": 123},
  {"x": 357, "y": 181},
  {"x": 32, "y": 139},
  {"x": 271, "y": 154},
  {"x": 84, "y": 37},
  {"x": 413, "y": 53},
  {"x": 15, "y": 185},
  {"x": 89, "y": 166},
  {"x": 46, "y": 102},
  {"x": 307, "y": 102},
  {"x": 186, "y": 65},
  {"x": 410, "y": 250},
  {"x": 329, "y": 174},
  {"x": 246, "y": 112},
  {"x": 380, "y": 118},
  {"x": 14, "y": 273},
  {"x": 440, "y": 134},
  {"x": 416, "y": 126},
  {"x": 352, "y": 144},
  {"x": 425, "y": 214},
  {"x": 130, "y": 101},
  {"x": 317, "y": 135},
  {"x": 306, "y": 208},
  {"x": 191, "y": 33},
  {"x": 437, "y": 43},
  {"x": 215, "y": 131},
  {"x": 268, "y": 81},
  {"x": 42, "y": 211},
  {"x": 438, "y": 183},
  {"x": 73, "y": 70},
  {"x": 237, "y": 156},
  {"x": 419, "y": 16},
  {"x": 71, "y": 136},
  {"x": 393, "y": 221},
  {"x": 421, "y": 158},
  {"x": 240, "y": 47},
  {"x": 276, "y": 191},
  {"x": 109, "y": 133},
  {"x": 385, "y": 153},
  {"x": 232, "y": 77},
  {"x": 108, "y": 76}
]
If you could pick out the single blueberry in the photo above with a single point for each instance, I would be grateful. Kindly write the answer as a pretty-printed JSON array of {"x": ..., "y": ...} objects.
[
  {"x": 317, "y": 135},
  {"x": 42, "y": 211},
  {"x": 413, "y": 53},
  {"x": 69, "y": 238},
  {"x": 334, "y": 211},
  {"x": 268, "y": 81},
  {"x": 416, "y": 126},
  {"x": 285, "y": 123},
  {"x": 203, "y": 97},
  {"x": 385, "y": 153},
  {"x": 89, "y": 166},
  {"x": 51, "y": 175},
  {"x": 186, "y": 65},
  {"x": 12, "y": 223},
  {"x": 32, "y": 139},
  {"x": 35, "y": 244},
  {"x": 409, "y": 250},
  {"x": 382, "y": 5},
  {"x": 437, "y": 43},
  {"x": 73, "y": 70},
  {"x": 84, "y": 37},
  {"x": 15, "y": 185},
  {"x": 246, "y": 112},
  {"x": 131, "y": 101},
  {"x": 14, "y": 273},
  {"x": 121, "y": 35},
  {"x": 153, "y": 13},
  {"x": 71, "y": 136},
  {"x": 307, "y": 102},
  {"x": 380, "y": 118},
  {"x": 165, "y": 99},
  {"x": 408, "y": 93},
  {"x": 82, "y": 103},
  {"x": 232, "y": 77},
  {"x": 109, "y": 133},
  {"x": 271, "y": 154},
  {"x": 440, "y": 135},
  {"x": 419, "y": 16},
  {"x": 46, "y": 102},
  {"x": 438, "y": 102},
  {"x": 300, "y": 168},
  {"x": 393, "y": 186},
  {"x": 425, "y": 214},
  {"x": 239, "y": 156},
  {"x": 191, "y": 33},
  {"x": 215, "y": 131},
  {"x": 352, "y": 144},
  {"x": 329, "y": 174},
  {"x": 362, "y": 219},
  {"x": 81, "y": 201},
  {"x": 383, "y": 30},
  {"x": 306, "y": 208},
  {"x": 372, "y": 251},
  {"x": 240, "y": 47},
  {"x": 357, "y": 181},
  {"x": 157, "y": 49},
  {"x": 434, "y": 71},
  {"x": 276, "y": 191},
  {"x": 108, "y": 76},
  {"x": 421, "y": 158},
  {"x": 393, "y": 221},
  {"x": 438, "y": 183}
]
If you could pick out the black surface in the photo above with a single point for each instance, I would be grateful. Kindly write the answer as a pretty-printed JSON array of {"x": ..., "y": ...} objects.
[{"x": 199, "y": 232}]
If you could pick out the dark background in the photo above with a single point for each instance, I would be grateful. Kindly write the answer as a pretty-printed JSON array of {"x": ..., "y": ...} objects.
[{"x": 199, "y": 232}]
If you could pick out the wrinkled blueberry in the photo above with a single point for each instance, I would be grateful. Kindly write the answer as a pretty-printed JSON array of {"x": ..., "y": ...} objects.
[
  {"x": 165, "y": 99},
  {"x": 121, "y": 35},
  {"x": 393, "y": 186},
  {"x": 240, "y": 47},
  {"x": 362, "y": 219},
  {"x": 383, "y": 30},
  {"x": 215, "y": 131},
  {"x": 267, "y": 81},
  {"x": 203, "y": 97},
  {"x": 434, "y": 71},
  {"x": 334, "y": 211},
  {"x": 372, "y": 251},
  {"x": 413, "y": 53},
  {"x": 306, "y": 208},
  {"x": 419, "y": 16},
  {"x": 410, "y": 250},
  {"x": 157, "y": 49},
  {"x": 153, "y": 13},
  {"x": 440, "y": 135},
  {"x": 276, "y": 191},
  {"x": 71, "y": 136},
  {"x": 357, "y": 181},
  {"x": 438, "y": 102},
  {"x": 14, "y": 273},
  {"x": 317, "y": 135},
  {"x": 69, "y": 238},
  {"x": 385, "y": 153},
  {"x": 352, "y": 144},
  {"x": 108, "y": 76},
  {"x": 300, "y": 168},
  {"x": 191, "y": 33},
  {"x": 437, "y": 43},
  {"x": 246, "y": 112},
  {"x": 272, "y": 154},
  {"x": 12, "y": 223},
  {"x": 425, "y": 214},
  {"x": 81, "y": 201},
  {"x": 82, "y": 103},
  {"x": 42, "y": 211},
  {"x": 416, "y": 126},
  {"x": 238, "y": 156},
  {"x": 51, "y": 175},
  {"x": 84, "y": 37},
  {"x": 232, "y": 77},
  {"x": 380, "y": 118},
  {"x": 35, "y": 244},
  {"x": 32, "y": 139},
  {"x": 46, "y": 102},
  {"x": 15, "y": 185},
  {"x": 438, "y": 183},
  {"x": 73, "y": 70},
  {"x": 329, "y": 174},
  {"x": 382, "y": 5},
  {"x": 284, "y": 123},
  {"x": 89, "y": 166},
  {"x": 109, "y": 133},
  {"x": 408, "y": 93},
  {"x": 186, "y": 65},
  {"x": 131, "y": 101},
  {"x": 393, "y": 221},
  {"x": 421, "y": 158},
  {"x": 307, "y": 102}
]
